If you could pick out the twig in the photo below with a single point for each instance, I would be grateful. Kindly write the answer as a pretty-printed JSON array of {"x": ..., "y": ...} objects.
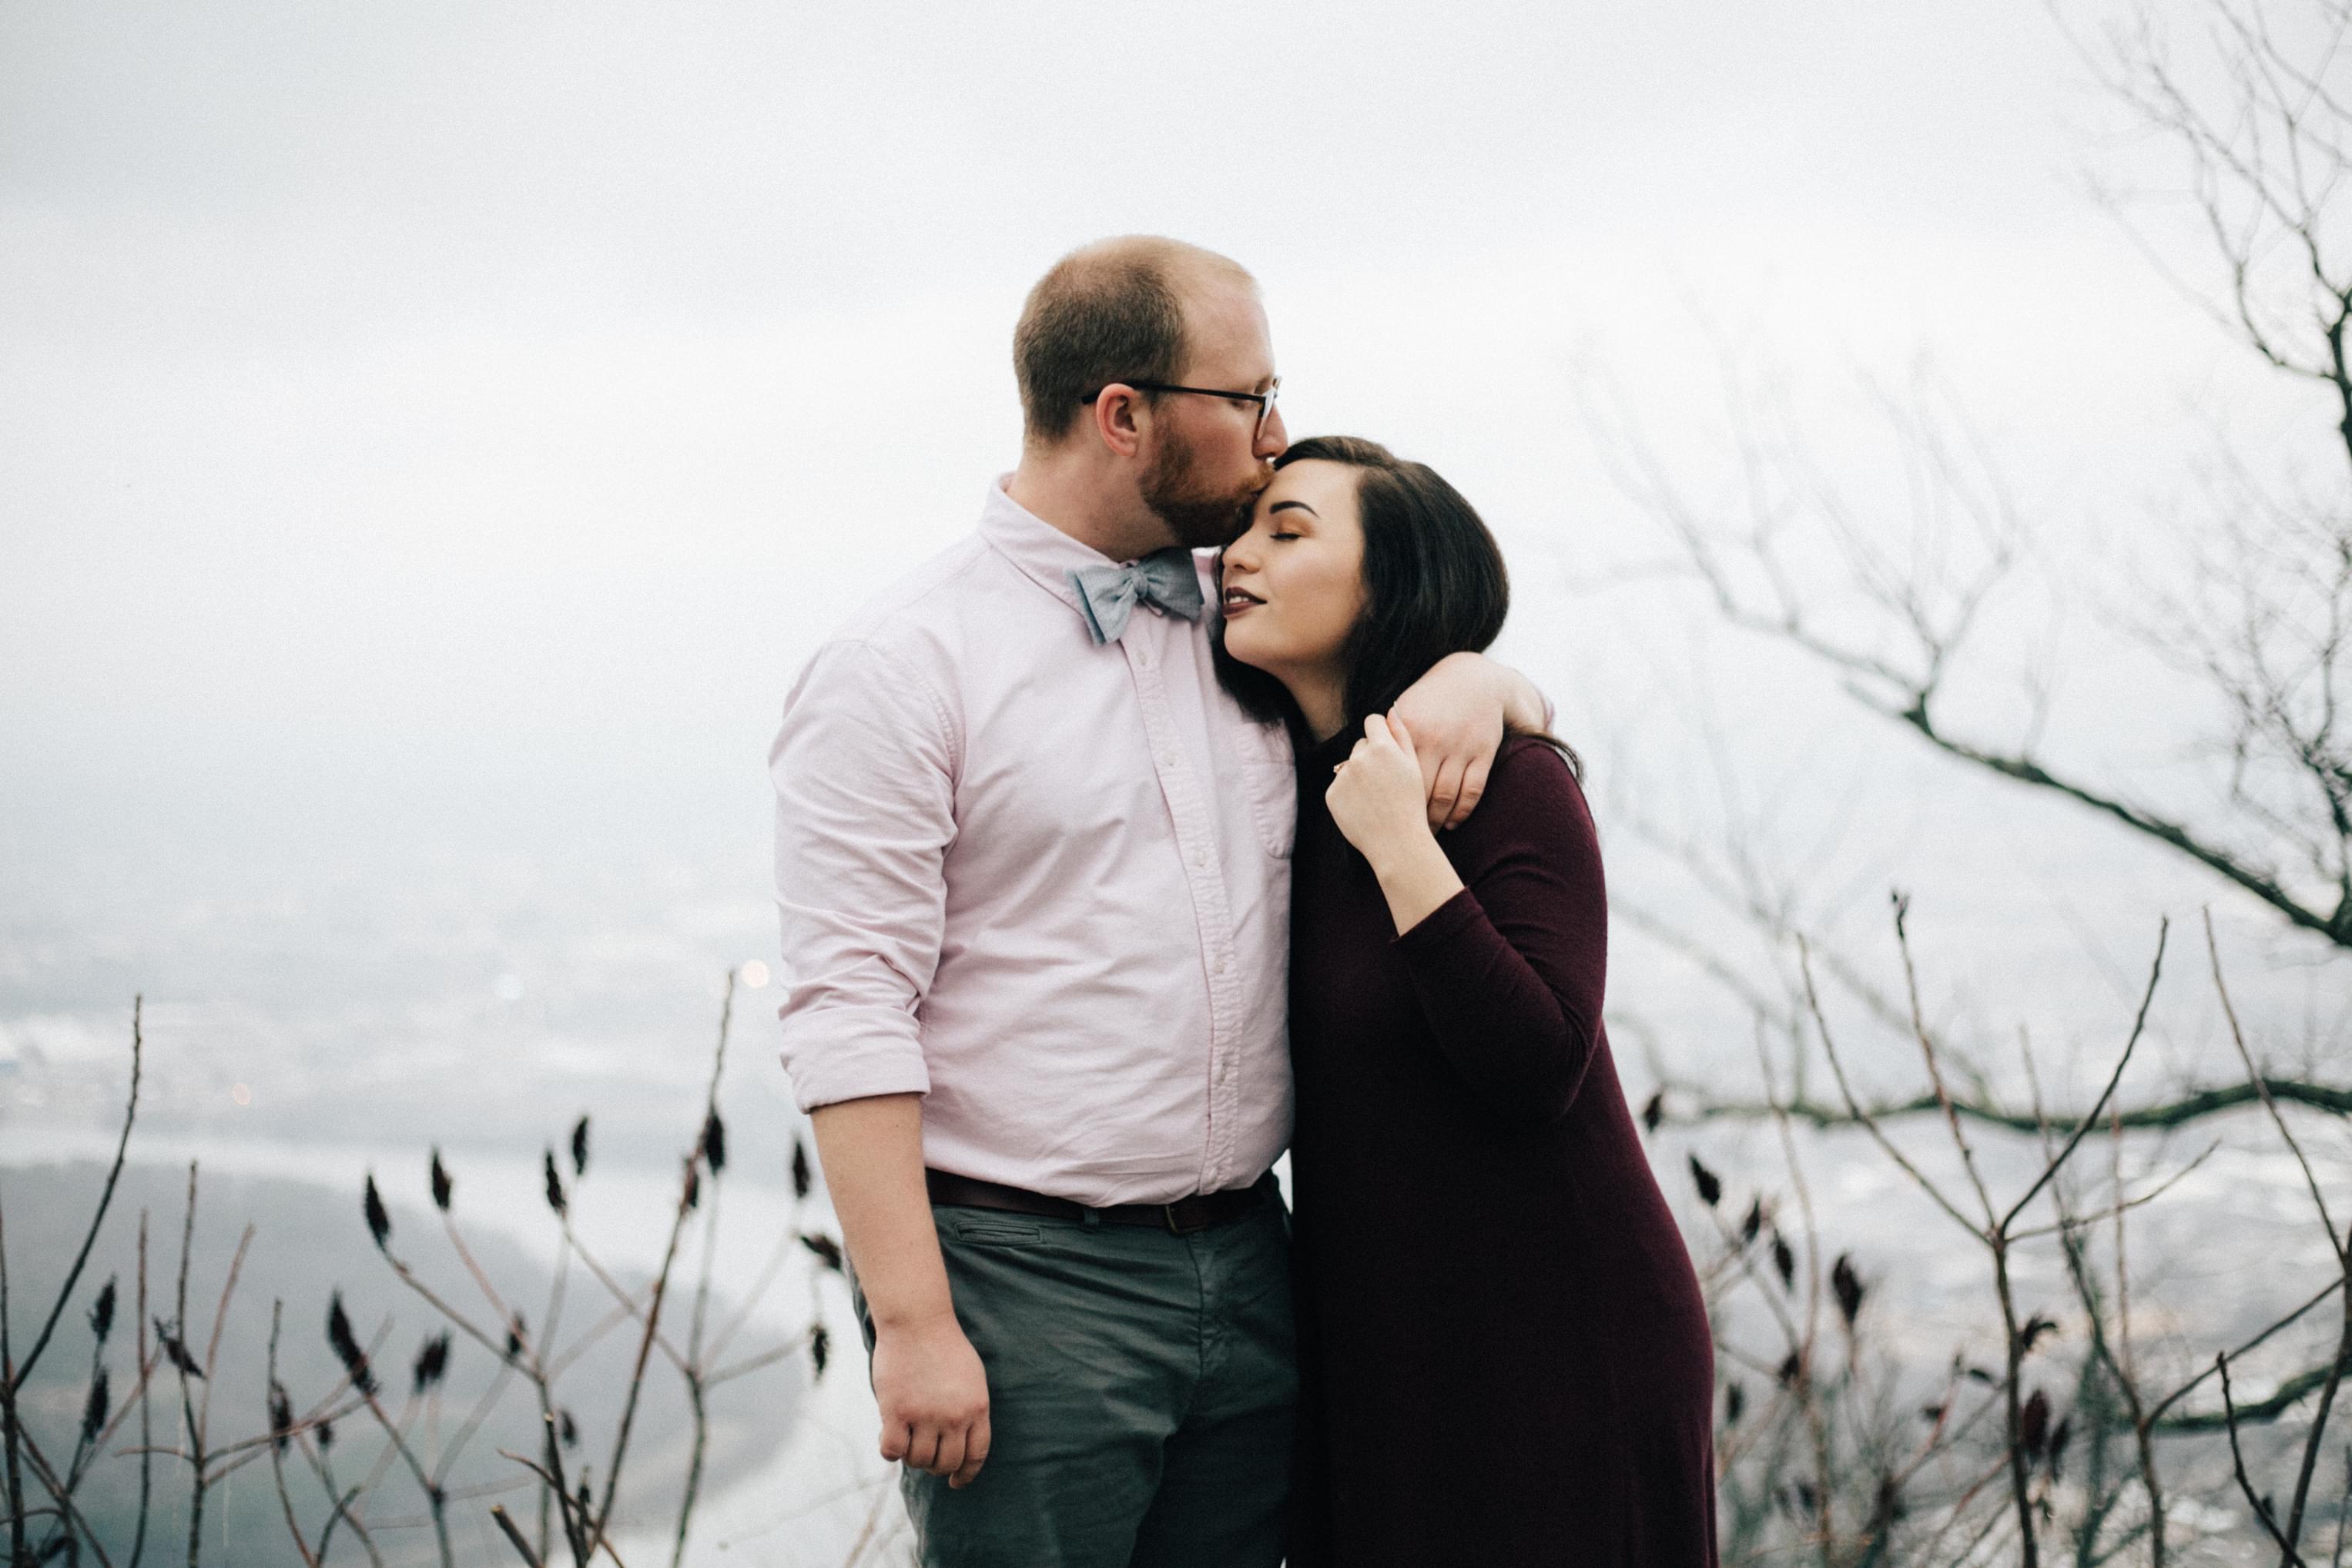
[
  {"x": 2237, "y": 1457},
  {"x": 2335, "y": 1243},
  {"x": 146, "y": 1385},
  {"x": 105, "y": 1196},
  {"x": 279, "y": 1440},
  {"x": 2206, "y": 1423},
  {"x": 1863, "y": 1118},
  {"x": 2090, "y": 1118},
  {"x": 506, "y": 1523},
  {"x": 604, "y": 1514},
  {"x": 11, "y": 1434},
  {"x": 2194, "y": 1107}
]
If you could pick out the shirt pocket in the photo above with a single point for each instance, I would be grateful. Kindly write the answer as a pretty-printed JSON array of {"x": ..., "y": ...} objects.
[{"x": 1273, "y": 788}]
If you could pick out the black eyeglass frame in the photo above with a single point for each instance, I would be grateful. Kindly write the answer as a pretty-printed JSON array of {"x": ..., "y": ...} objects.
[{"x": 1265, "y": 400}]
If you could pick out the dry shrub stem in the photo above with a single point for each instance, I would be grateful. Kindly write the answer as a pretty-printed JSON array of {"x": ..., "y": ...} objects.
[
  {"x": 585, "y": 1522},
  {"x": 1996, "y": 1232},
  {"x": 2337, "y": 1244}
]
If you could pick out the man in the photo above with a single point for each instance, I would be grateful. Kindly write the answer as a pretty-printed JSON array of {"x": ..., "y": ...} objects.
[{"x": 1032, "y": 864}]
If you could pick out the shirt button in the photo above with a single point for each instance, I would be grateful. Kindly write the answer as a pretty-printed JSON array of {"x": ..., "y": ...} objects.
[{"x": 1218, "y": 967}]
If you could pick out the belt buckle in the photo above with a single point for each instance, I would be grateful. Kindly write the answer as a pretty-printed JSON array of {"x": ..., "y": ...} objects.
[{"x": 1177, "y": 1224}]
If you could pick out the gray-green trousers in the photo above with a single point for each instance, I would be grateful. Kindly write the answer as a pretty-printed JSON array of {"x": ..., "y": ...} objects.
[{"x": 1140, "y": 1389}]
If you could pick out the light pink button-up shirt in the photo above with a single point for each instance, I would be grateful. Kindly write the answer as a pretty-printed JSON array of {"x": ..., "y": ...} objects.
[{"x": 1047, "y": 883}]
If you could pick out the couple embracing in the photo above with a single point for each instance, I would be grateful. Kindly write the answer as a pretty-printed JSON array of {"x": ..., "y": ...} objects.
[{"x": 1108, "y": 869}]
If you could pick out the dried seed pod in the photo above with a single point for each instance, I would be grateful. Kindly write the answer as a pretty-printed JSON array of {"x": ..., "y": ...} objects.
[
  {"x": 1790, "y": 1369},
  {"x": 820, "y": 1348},
  {"x": 2033, "y": 1423},
  {"x": 567, "y": 1428},
  {"x": 101, "y": 1312},
  {"x": 281, "y": 1416},
  {"x": 379, "y": 1223},
  {"x": 825, "y": 1247},
  {"x": 693, "y": 1184},
  {"x": 346, "y": 1347},
  {"x": 1848, "y": 1286},
  {"x": 432, "y": 1361},
  {"x": 1735, "y": 1403},
  {"x": 554, "y": 1183},
  {"x": 801, "y": 1174},
  {"x": 580, "y": 1147},
  {"x": 174, "y": 1351},
  {"x": 1654, "y": 1112},
  {"x": 1710, "y": 1190},
  {"x": 1784, "y": 1260},
  {"x": 2035, "y": 1326},
  {"x": 94, "y": 1411},
  {"x": 714, "y": 1143},
  {"x": 1752, "y": 1224},
  {"x": 441, "y": 1183}
]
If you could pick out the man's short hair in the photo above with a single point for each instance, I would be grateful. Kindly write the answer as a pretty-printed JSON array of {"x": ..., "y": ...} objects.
[{"x": 1112, "y": 311}]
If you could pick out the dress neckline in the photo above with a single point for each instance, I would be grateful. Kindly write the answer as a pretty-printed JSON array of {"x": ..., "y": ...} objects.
[{"x": 1327, "y": 752}]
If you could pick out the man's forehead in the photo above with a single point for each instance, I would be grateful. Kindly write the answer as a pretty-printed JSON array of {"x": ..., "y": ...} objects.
[{"x": 1229, "y": 323}]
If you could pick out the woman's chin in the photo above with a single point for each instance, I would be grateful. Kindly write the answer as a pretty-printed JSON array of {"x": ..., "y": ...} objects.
[{"x": 1248, "y": 648}]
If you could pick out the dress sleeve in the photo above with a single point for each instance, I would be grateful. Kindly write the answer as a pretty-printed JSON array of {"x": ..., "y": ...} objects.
[
  {"x": 1509, "y": 971},
  {"x": 864, "y": 772}
]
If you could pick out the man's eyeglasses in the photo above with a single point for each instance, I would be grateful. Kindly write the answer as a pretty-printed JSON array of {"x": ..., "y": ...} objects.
[{"x": 1265, "y": 400}]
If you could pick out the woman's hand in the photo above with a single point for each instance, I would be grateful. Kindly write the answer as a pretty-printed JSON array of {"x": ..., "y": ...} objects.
[
  {"x": 1376, "y": 798},
  {"x": 1375, "y": 794}
]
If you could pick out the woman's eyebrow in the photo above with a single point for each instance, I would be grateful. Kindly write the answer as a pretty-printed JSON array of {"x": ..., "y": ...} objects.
[{"x": 1288, "y": 505}]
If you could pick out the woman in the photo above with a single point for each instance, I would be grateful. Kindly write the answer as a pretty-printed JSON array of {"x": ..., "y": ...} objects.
[{"x": 1505, "y": 1355}]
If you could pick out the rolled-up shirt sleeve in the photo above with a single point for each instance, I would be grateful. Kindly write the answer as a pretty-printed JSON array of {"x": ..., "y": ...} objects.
[{"x": 863, "y": 768}]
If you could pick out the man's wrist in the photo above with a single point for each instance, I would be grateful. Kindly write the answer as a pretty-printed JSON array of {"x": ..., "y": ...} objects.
[
  {"x": 913, "y": 1319},
  {"x": 1524, "y": 708}
]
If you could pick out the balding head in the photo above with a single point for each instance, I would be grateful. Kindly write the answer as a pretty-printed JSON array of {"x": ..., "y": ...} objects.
[{"x": 1112, "y": 311}]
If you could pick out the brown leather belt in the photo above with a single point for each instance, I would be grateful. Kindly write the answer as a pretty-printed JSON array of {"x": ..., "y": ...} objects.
[{"x": 1182, "y": 1217}]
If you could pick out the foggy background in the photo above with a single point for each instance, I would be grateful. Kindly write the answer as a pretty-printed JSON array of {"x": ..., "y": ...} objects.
[{"x": 432, "y": 436}]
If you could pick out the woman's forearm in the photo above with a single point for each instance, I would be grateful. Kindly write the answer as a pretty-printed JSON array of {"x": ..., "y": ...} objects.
[{"x": 1415, "y": 878}]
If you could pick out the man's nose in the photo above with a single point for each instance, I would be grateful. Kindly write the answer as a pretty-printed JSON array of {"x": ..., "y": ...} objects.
[{"x": 1272, "y": 436}]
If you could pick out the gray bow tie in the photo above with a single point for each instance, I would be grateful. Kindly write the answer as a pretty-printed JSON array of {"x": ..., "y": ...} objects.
[{"x": 1108, "y": 594}]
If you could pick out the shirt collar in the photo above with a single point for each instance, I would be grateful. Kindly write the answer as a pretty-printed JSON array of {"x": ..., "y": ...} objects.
[{"x": 1043, "y": 554}]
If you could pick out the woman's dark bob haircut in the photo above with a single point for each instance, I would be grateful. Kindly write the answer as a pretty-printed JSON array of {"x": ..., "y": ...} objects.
[{"x": 1433, "y": 584}]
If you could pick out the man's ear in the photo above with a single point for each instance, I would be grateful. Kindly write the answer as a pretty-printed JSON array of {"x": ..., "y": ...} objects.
[{"x": 1120, "y": 416}]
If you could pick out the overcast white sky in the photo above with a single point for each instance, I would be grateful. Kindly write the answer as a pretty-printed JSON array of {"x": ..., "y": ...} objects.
[{"x": 441, "y": 422}]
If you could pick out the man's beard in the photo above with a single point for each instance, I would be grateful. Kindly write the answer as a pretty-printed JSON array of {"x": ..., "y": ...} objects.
[{"x": 1201, "y": 520}]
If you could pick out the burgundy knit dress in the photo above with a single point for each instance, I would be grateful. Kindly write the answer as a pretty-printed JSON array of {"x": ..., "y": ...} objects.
[{"x": 1505, "y": 1353}]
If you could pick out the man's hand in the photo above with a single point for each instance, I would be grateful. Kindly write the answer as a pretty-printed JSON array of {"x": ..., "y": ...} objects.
[
  {"x": 1457, "y": 713},
  {"x": 927, "y": 1377},
  {"x": 934, "y": 1397}
]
